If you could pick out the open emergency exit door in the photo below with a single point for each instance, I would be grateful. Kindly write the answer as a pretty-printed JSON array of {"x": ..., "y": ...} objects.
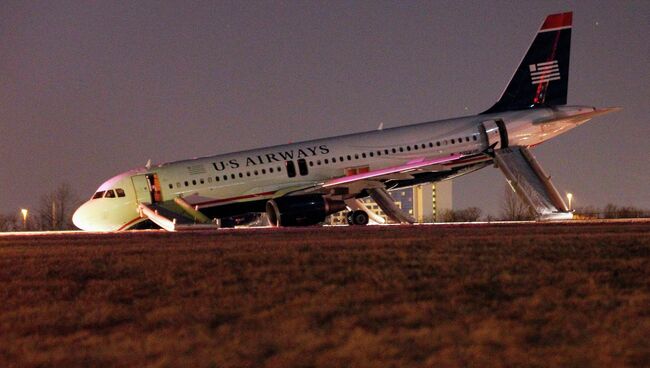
[{"x": 147, "y": 188}]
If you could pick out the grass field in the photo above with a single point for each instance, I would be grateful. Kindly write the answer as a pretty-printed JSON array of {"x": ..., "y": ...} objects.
[{"x": 408, "y": 296}]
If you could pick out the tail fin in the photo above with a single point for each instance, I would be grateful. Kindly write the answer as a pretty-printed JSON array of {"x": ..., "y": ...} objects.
[{"x": 543, "y": 75}]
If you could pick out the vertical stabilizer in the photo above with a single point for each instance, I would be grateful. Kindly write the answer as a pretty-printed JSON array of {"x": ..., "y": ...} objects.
[{"x": 543, "y": 75}]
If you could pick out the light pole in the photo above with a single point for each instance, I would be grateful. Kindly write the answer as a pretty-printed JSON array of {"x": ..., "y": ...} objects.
[
  {"x": 569, "y": 196},
  {"x": 24, "y": 213}
]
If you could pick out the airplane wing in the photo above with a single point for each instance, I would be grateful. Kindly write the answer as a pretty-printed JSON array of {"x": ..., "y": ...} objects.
[
  {"x": 386, "y": 173},
  {"x": 187, "y": 211},
  {"x": 353, "y": 183},
  {"x": 374, "y": 178}
]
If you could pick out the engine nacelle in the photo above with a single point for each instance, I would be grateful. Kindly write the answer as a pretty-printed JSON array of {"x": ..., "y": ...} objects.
[{"x": 301, "y": 210}]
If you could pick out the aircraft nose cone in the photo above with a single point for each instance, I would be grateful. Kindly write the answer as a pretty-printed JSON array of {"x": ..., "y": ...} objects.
[{"x": 80, "y": 218}]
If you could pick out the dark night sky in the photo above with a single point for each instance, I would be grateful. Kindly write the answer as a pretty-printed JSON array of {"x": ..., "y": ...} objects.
[{"x": 90, "y": 89}]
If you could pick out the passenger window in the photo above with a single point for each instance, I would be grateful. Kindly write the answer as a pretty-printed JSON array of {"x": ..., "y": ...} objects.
[{"x": 109, "y": 194}]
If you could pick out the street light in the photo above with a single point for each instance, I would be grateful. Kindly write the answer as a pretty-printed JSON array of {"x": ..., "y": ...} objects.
[
  {"x": 24, "y": 212},
  {"x": 569, "y": 196}
]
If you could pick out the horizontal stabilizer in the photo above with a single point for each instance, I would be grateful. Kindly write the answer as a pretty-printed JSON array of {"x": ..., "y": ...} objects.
[
  {"x": 531, "y": 183},
  {"x": 579, "y": 117}
]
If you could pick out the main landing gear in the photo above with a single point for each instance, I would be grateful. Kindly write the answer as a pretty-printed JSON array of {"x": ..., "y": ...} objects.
[{"x": 357, "y": 218}]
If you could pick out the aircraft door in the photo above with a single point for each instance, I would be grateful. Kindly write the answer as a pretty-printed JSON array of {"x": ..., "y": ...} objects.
[
  {"x": 291, "y": 168},
  {"x": 154, "y": 187},
  {"x": 302, "y": 167},
  {"x": 142, "y": 188},
  {"x": 494, "y": 133},
  {"x": 147, "y": 188}
]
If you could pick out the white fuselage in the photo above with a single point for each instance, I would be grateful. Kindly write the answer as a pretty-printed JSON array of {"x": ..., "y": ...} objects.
[{"x": 264, "y": 173}]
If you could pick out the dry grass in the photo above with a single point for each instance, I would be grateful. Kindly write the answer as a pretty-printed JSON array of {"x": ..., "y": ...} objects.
[{"x": 532, "y": 295}]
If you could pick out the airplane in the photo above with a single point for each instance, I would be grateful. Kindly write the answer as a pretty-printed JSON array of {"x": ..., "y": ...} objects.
[{"x": 300, "y": 184}]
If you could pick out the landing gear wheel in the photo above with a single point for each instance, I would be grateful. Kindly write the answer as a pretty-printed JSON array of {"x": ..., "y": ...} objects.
[{"x": 357, "y": 218}]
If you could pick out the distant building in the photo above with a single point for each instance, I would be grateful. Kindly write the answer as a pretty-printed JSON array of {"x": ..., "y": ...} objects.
[{"x": 425, "y": 202}]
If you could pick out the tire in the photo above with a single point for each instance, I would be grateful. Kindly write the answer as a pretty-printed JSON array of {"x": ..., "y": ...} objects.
[
  {"x": 358, "y": 218},
  {"x": 349, "y": 218}
]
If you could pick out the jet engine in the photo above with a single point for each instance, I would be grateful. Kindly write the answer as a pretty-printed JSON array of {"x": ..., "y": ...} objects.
[{"x": 301, "y": 210}]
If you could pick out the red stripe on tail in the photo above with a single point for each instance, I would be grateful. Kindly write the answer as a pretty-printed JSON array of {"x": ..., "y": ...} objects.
[{"x": 558, "y": 20}]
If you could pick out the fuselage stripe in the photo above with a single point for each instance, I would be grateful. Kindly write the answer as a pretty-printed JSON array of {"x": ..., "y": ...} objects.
[{"x": 128, "y": 224}]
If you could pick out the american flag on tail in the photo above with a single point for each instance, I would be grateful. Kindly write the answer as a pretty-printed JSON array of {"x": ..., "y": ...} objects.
[{"x": 544, "y": 72}]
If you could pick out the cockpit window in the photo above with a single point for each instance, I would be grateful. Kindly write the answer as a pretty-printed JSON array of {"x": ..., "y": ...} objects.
[{"x": 109, "y": 193}]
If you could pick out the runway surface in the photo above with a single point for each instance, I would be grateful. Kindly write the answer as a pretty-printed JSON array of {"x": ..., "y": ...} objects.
[
  {"x": 477, "y": 224},
  {"x": 524, "y": 294}
]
